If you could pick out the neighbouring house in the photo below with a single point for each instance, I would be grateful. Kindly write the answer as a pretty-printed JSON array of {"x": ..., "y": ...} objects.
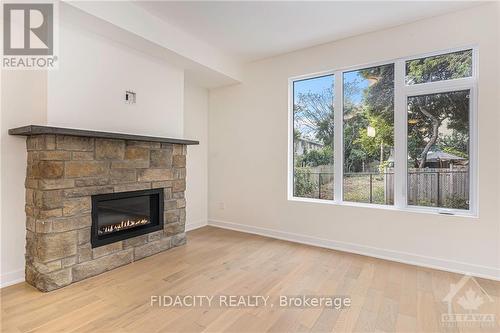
[
  {"x": 437, "y": 159},
  {"x": 441, "y": 159},
  {"x": 303, "y": 145}
]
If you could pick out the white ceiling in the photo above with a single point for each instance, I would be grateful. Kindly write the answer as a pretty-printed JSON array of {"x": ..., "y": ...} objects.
[{"x": 251, "y": 31}]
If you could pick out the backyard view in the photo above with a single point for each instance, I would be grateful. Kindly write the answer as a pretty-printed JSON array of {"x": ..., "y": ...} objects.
[
  {"x": 313, "y": 137},
  {"x": 437, "y": 142},
  {"x": 438, "y": 150},
  {"x": 369, "y": 134},
  {"x": 438, "y": 134}
]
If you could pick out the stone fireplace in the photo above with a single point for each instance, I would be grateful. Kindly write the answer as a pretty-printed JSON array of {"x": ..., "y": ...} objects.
[{"x": 96, "y": 201}]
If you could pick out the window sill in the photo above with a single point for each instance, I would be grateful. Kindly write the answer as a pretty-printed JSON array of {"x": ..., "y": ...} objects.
[{"x": 409, "y": 209}]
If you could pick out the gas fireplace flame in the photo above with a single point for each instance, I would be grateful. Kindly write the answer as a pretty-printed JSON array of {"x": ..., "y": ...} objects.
[{"x": 121, "y": 226}]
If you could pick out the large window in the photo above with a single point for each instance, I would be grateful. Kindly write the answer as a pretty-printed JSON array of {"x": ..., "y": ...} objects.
[
  {"x": 369, "y": 135},
  {"x": 438, "y": 142},
  {"x": 313, "y": 137},
  {"x": 404, "y": 134},
  {"x": 438, "y": 150}
]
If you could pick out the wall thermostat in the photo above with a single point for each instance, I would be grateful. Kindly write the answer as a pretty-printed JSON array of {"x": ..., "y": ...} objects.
[{"x": 130, "y": 97}]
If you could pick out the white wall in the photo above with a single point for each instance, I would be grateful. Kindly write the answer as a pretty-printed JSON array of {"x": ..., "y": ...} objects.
[
  {"x": 87, "y": 91},
  {"x": 248, "y": 153},
  {"x": 196, "y": 126},
  {"x": 89, "y": 88},
  {"x": 206, "y": 63},
  {"x": 23, "y": 101}
]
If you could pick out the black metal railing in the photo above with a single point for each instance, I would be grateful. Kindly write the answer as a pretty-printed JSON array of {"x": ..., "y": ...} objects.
[
  {"x": 368, "y": 187},
  {"x": 426, "y": 187}
]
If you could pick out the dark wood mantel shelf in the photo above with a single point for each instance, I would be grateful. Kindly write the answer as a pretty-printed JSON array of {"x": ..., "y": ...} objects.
[{"x": 38, "y": 130}]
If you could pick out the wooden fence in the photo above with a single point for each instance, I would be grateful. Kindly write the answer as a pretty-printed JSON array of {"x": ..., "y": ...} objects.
[
  {"x": 434, "y": 187},
  {"x": 447, "y": 188}
]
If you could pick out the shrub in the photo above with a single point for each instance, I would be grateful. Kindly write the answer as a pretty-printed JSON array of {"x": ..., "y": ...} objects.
[
  {"x": 457, "y": 202},
  {"x": 304, "y": 186},
  {"x": 321, "y": 156}
]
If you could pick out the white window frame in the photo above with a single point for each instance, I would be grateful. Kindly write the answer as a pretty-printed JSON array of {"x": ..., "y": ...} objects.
[{"x": 401, "y": 93}]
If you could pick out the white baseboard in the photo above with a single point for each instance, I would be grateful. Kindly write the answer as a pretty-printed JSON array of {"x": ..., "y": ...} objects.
[
  {"x": 195, "y": 225},
  {"x": 10, "y": 278},
  {"x": 403, "y": 257}
]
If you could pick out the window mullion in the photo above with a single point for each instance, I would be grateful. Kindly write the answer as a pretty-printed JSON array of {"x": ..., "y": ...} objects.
[
  {"x": 400, "y": 136},
  {"x": 338, "y": 151},
  {"x": 473, "y": 158},
  {"x": 438, "y": 87}
]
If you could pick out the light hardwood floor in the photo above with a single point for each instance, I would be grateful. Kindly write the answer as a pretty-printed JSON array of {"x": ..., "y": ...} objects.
[{"x": 386, "y": 296}]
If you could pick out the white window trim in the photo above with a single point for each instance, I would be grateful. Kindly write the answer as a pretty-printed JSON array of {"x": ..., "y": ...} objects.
[{"x": 401, "y": 92}]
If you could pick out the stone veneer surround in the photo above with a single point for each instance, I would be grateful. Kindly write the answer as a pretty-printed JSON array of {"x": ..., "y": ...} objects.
[{"x": 63, "y": 172}]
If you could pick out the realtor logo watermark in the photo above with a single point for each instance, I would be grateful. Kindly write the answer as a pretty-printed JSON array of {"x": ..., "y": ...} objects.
[
  {"x": 30, "y": 35},
  {"x": 468, "y": 305},
  {"x": 251, "y": 301}
]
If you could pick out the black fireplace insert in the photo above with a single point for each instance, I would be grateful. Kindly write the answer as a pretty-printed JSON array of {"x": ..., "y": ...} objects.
[{"x": 118, "y": 216}]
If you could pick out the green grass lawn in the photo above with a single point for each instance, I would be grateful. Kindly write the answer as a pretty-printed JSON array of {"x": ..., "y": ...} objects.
[{"x": 356, "y": 188}]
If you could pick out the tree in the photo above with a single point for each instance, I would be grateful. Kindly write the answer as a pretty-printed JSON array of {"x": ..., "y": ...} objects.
[
  {"x": 375, "y": 110},
  {"x": 303, "y": 184},
  {"x": 318, "y": 157},
  {"x": 384, "y": 137},
  {"x": 314, "y": 111},
  {"x": 438, "y": 68},
  {"x": 296, "y": 134},
  {"x": 379, "y": 96},
  {"x": 427, "y": 113},
  {"x": 456, "y": 143},
  {"x": 354, "y": 152}
]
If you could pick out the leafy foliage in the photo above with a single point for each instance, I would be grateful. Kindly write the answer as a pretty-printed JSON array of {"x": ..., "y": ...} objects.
[
  {"x": 323, "y": 156},
  {"x": 442, "y": 67},
  {"x": 426, "y": 114},
  {"x": 379, "y": 97},
  {"x": 314, "y": 112},
  {"x": 375, "y": 110},
  {"x": 303, "y": 184},
  {"x": 354, "y": 153},
  {"x": 456, "y": 202},
  {"x": 457, "y": 143}
]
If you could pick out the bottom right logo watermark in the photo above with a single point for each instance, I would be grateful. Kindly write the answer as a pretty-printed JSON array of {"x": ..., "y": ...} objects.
[{"x": 468, "y": 305}]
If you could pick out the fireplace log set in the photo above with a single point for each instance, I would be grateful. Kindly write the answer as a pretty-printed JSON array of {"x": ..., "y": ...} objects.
[{"x": 123, "y": 225}]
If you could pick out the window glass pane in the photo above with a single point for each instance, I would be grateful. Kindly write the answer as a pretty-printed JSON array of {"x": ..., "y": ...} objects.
[
  {"x": 438, "y": 68},
  {"x": 369, "y": 135},
  {"x": 313, "y": 137},
  {"x": 438, "y": 150}
]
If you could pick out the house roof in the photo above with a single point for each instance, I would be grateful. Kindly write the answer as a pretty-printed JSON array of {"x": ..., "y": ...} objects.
[
  {"x": 438, "y": 155},
  {"x": 310, "y": 141},
  {"x": 434, "y": 156}
]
